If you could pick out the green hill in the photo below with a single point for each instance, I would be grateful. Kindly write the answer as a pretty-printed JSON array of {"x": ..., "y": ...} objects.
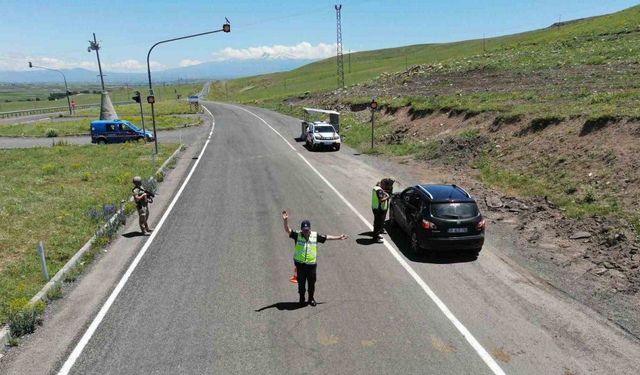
[{"x": 585, "y": 67}]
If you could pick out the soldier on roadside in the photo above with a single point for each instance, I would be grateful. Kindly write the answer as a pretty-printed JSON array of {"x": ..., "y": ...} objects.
[{"x": 142, "y": 198}]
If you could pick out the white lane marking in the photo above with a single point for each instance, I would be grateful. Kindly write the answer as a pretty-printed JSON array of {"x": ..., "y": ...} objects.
[
  {"x": 484, "y": 355},
  {"x": 75, "y": 354}
]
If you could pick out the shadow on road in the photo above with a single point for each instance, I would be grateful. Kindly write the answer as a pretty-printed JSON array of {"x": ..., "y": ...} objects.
[
  {"x": 367, "y": 241},
  {"x": 133, "y": 234},
  {"x": 288, "y": 306},
  {"x": 401, "y": 240}
]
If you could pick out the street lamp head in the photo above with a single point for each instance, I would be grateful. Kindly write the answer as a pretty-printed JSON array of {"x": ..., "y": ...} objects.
[
  {"x": 30, "y": 64},
  {"x": 89, "y": 49}
]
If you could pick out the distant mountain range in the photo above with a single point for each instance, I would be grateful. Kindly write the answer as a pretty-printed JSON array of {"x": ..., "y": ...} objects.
[{"x": 209, "y": 70}]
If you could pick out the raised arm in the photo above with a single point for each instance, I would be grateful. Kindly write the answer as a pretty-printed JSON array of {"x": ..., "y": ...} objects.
[
  {"x": 338, "y": 237},
  {"x": 285, "y": 221}
]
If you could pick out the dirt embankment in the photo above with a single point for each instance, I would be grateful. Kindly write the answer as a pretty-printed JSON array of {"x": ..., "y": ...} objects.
[{"x": 595, "y": 258}]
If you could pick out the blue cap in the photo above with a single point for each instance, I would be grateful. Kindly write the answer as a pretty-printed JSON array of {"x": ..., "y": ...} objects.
[{"x": 306, "y": 224}]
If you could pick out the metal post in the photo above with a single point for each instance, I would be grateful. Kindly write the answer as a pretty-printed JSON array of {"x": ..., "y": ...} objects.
[
  {"x": 144, "y": 131},
  {"x": 43, "y": 261},
  {"x": 372, "y": 121},
  {"x": 225, "y": 27}
]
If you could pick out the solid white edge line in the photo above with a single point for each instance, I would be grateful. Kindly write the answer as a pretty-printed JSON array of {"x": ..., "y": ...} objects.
[
  {"x": 484, "y": 355},
  {"x": 75, "y": 354}
]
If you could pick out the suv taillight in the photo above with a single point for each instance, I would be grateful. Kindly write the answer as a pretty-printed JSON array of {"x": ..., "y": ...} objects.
[
  {"x": 426, "y": 224},
  {"x": 481, "y": 225}
]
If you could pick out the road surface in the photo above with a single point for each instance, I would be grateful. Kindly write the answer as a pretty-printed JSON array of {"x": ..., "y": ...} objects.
[{"x": 211, "y": 294}]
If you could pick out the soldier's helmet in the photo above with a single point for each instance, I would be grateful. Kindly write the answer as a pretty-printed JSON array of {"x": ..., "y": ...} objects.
[{"x": 137, "y": 180}]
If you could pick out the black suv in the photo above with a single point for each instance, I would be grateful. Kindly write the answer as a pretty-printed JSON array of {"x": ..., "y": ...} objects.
[{"x": 438, "y": 217}]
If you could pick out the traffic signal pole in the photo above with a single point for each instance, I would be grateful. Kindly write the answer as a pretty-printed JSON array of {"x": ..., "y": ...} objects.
[
  {"x": 138, "y": 98},
  {"x": 151, "y": 98}
]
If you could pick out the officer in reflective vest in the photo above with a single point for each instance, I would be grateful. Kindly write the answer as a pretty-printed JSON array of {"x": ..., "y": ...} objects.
[
  {"x": 305, "y": 254},
  {"x": 380, "y": 196}
]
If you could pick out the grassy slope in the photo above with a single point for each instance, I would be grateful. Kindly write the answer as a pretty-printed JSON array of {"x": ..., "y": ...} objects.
[
  {"x": 602, "y": 44},
  {"x": 46, "y": 195},
  {"x": 606, "y": 40}
]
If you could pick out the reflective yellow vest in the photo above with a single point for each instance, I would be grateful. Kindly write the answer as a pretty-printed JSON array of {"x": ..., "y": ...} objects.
[
  {"x": 375, "y": 202},
  {"x": 306, "y": 250}
]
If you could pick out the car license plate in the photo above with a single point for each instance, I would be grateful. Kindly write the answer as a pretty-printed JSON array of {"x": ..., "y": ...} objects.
[{"x": 457, "y": 230}]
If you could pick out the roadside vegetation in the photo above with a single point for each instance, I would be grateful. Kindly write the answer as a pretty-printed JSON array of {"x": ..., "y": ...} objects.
[{"x": 59, "y": 195}]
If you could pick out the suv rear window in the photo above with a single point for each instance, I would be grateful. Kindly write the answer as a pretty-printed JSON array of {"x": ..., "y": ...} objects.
[
  {"x": 465, "y": 210},
  {"x": 323, "y": 129}
]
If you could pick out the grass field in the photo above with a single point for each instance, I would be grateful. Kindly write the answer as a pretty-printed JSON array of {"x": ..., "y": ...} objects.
[
  {"x": 169, "y": 115},
  {"x": 52, "y": 195},
  {"x": 15, "y": 97}
]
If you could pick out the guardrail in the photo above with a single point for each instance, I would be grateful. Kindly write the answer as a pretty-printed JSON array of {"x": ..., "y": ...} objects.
[{"x": 38, "y": 111}]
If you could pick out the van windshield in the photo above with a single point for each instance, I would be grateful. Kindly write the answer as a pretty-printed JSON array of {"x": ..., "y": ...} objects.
[{"x": 133, "y": 127}]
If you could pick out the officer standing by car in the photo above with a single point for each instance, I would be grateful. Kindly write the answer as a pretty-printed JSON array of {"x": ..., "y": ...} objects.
[
  {"x": 304, "y": 256},
  {"x": 380, "y": 196},
  {"x": 142, "y": 198}
]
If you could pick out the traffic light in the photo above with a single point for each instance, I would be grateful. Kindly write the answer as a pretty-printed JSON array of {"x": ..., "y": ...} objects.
[
  {"x": 136, "y": 98},
  {"x": 227, "y": 26}
]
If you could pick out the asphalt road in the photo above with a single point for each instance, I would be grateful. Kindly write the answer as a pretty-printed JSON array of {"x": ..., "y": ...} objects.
[{"x": 212, "y": 295}]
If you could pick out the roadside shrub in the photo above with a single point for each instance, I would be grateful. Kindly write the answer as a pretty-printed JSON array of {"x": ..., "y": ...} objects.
[
  {"x": 50, "y": 168},
  {"x": 589, "y": 195},
  {"x": 51, "y": 133},
  {"x": 23, "y": 316},
  {"x": 55, "y": 292}
]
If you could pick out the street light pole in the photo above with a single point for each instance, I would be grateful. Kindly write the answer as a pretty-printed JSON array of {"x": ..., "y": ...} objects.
[
  {"x": 66, "y": 88},
  {"x": 226, "y": 27}
]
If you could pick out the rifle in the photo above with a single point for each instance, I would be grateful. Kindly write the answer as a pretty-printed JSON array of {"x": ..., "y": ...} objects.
[{"x": 150, "y": 194}]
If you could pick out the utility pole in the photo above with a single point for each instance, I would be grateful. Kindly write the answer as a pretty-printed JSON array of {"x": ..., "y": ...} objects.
[
  {"x": 339, "y": 47},
  {"x": 94, "y": 46},
  {"x": 349, "y": 59}
]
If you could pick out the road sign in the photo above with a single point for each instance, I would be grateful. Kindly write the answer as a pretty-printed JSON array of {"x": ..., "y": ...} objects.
[
  {"x": 151, "y": 99},
  {"x": 373, "y": 105}
]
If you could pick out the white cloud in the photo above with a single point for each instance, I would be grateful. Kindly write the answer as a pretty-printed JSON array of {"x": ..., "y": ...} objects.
[
  {"x": 187, "y": 62},
  {"x": 300, "y": 51},
  {"x": 22, "y": 63}
]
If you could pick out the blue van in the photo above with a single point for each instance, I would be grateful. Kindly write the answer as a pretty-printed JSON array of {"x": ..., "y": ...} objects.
[{"x": 117, "y": 131}]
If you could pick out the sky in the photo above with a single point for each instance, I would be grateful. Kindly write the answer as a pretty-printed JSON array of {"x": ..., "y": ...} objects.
[{"x": 55, "y": 33}]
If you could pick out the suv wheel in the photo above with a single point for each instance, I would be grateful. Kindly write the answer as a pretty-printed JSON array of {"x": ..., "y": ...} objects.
[
  {"x": 338, "y": 147},
  {"x": 415, "y": 246},
  {"x": 102, "y": 141}
]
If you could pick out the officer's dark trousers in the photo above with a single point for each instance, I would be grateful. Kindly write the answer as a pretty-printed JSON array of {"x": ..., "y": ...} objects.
[
  {"x": 378, "y": 221},
  {"x": 306, "y": 274}
]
